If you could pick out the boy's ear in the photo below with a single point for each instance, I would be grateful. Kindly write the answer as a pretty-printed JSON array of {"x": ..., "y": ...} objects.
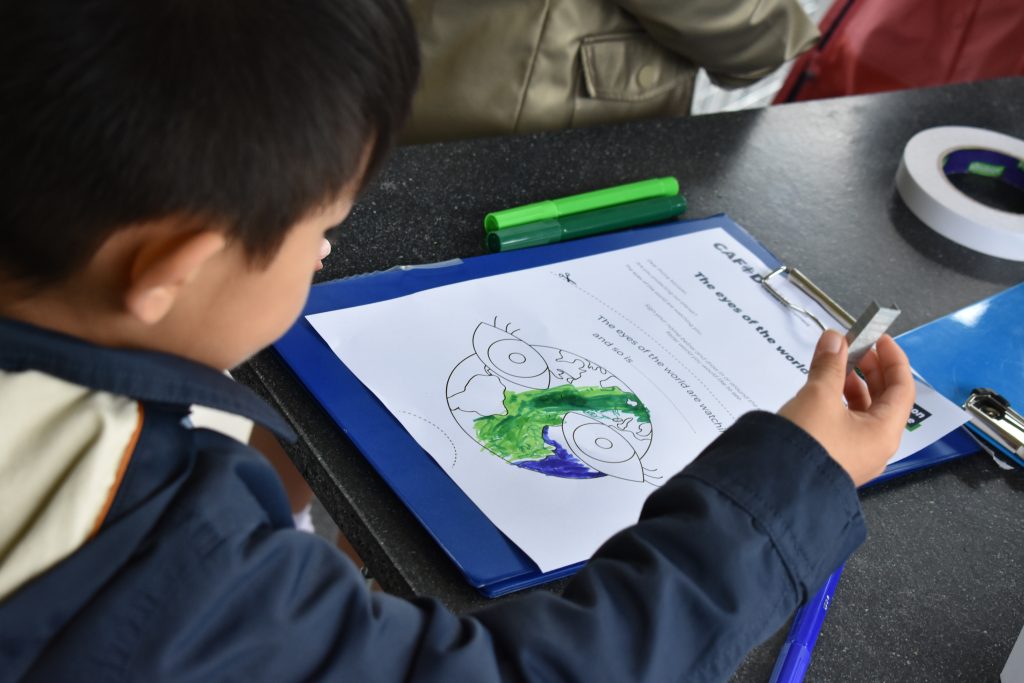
[{"x": 160, "y": 270}]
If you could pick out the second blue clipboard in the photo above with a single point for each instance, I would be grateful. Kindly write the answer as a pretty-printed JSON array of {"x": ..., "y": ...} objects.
[
  {"x": 980, "y": 346},
  {"x": 488, "y": 560}
]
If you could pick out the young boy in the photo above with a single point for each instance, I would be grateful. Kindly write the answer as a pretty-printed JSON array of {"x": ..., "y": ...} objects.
[{"x": 169, "y": 170}]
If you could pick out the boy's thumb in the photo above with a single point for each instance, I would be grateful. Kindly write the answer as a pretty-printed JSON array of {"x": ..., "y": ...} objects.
[{"x": 829, "y": 362}]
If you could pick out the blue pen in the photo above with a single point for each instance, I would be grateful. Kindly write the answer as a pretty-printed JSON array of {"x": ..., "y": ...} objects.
[{"x": 795, "y": 656}]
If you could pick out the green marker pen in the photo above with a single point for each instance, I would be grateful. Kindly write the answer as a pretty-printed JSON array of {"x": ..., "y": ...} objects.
[
  {"x": 585, "y": 224},
  {"x": 578, "y": 203}
]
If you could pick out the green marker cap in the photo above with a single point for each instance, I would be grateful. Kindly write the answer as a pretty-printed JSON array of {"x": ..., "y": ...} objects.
[
  {"x": 578, "y": 203},
  {"x": 634, "y": 214}
]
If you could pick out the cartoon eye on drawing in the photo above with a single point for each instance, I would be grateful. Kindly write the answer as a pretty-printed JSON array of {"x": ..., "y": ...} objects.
[
  {"x": 602, "y": 447},
  {"x": 548, "y": 410},
  {"x": 510, "y": 358}
]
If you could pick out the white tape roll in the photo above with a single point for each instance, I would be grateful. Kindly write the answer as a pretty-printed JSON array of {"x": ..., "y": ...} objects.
[{"x": 922, "y": 183}]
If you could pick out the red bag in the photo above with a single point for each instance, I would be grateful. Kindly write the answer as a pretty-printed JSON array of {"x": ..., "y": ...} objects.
[{"x": 876, "y": 45}]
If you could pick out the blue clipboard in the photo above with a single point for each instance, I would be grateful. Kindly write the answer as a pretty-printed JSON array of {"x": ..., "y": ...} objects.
[
  {"x": 489, "y": 561},
  {"x": 980, "y": 346}
]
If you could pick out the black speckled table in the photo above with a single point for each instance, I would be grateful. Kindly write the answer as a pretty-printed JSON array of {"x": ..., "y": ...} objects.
[{"x": 937, "y": 592}]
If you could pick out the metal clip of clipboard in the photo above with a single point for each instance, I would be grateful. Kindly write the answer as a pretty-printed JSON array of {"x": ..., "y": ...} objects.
[
  {"x": 862, "y": 332},
  {"x": 804, "y": 284},
  {"x": 993, "y": 415}
]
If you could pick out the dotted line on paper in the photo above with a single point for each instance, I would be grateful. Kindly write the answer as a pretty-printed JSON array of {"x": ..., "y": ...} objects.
[{"x": 455, "y": 451}]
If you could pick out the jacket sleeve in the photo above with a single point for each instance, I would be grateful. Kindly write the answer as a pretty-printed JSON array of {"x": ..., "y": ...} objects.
[
  {"x": 736, "y": 41},
  {"x": 721, "y": 556}
]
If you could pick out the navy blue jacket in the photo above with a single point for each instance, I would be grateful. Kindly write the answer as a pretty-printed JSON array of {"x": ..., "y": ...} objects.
[{"x": 197, "y": 574}]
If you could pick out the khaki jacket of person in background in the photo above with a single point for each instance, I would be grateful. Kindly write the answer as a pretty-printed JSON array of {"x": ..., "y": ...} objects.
[{"x": 494, "y": 67}]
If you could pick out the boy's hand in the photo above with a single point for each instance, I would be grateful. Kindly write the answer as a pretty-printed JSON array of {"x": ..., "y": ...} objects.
[{"x": 862, "y": 435}]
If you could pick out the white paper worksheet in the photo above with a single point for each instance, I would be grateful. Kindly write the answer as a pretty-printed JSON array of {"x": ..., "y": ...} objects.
[{"x": 558, "y": 397}]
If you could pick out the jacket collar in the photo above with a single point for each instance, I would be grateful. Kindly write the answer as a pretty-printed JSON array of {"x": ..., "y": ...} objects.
[{"x": 147, "y": 376}]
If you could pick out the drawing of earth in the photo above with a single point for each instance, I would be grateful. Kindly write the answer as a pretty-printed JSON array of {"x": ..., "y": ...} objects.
[{"x": 548, "y": 410}]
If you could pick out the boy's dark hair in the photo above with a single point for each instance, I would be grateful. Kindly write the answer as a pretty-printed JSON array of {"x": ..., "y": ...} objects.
[{"x": 247, "y": 112}]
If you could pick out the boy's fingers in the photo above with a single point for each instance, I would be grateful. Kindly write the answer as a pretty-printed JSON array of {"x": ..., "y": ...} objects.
[
  {"x": 892, "y": 361},
  {"x": 856, "y": 392},
  {"x": 898, "y": 398},
  {"x": 829, "y": 363},
  {"x": 868, "y": 365}
]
